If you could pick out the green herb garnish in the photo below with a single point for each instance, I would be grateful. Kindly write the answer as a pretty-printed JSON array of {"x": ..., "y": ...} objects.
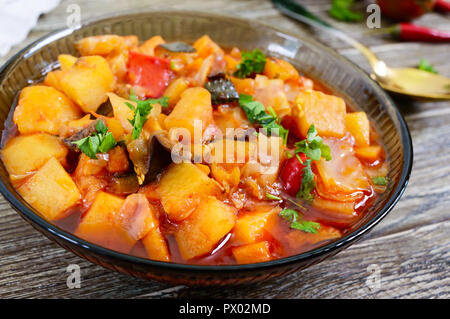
[
  {"x": 426, "y": 66},
  {"x": 340, "y": 10},
  {"x": 313, "y": 146},
  {"x": 252, "y": 63},
  {"x": 142, "y": 110},
  {"x": 314, "y": 149},
  {"x": 297, "y": 222},
  {"x": 272, "y": 197},
  {"x": 380, "y": 180},
  {"x": 100, "y": 142},
  {"x": 256, "y": 113}
]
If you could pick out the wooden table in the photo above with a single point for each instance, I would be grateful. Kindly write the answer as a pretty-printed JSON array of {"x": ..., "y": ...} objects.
[{"x": 410, "y": 247}]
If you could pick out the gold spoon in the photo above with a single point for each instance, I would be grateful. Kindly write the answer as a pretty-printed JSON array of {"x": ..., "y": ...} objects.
[{"x": 406, "y": 81}]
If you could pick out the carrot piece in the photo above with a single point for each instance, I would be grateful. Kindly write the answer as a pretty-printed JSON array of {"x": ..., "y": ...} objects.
[{"x": 369, "y": 153}]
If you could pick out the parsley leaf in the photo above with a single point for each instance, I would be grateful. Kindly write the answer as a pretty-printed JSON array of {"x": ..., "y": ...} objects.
[
  {"x": 297, "y": 222},
  {"x": 142, "y": 110},
  {"x": 256, "y": 113},
  {"x": 313, "y": 146},
  {"x": 101, "y": 141},
  {"x": 340, "y": 10},
  {"x": 314, "y": 149},
  {"x": 380, "y": 180},
  {"x": 426, "y": 66},
  {"x": 252, "y": 63},
  {"x": 273, "y": 197}
]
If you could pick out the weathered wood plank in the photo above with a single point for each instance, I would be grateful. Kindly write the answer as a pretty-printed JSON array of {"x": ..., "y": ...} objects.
[{"x": 411, "y": 245}]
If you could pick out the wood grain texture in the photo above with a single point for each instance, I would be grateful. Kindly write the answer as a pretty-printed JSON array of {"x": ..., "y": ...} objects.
[{"x": 411, "y": 246}]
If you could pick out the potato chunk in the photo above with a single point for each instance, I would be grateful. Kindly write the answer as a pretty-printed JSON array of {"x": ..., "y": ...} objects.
[
  {"x": 27, "y": 153},
  {"x": 88, "y": 81},
  {"x": 51, "y": 191},
  {"x": 252, "y": 253},
  {"x": 43, "y": 109},
  {"x": 207, "y": 225},
  {"x": 99, "y": 225},
  {"x": 100, "y": 44},
  {"x": 326, "y": 112},
  {"x": 280, "y": 69},
  {"x": 251, "y": 227},
  {"x": 358, "y": 125},
  {"x": 369, "y": 153},
  {"x": 66, "y": 61},
  {"x": 181, "y": 188},
  {"x": 194, "y": 105}
]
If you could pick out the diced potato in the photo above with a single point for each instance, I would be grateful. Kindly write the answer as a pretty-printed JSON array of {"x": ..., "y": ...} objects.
[
  {"x": 244, "y": 86},
  {"x": 343, "y": 177},
  {"x": 251, "y": 227},
  {"x": 369, "y": 153},
  {"x": 205, "y": 47},
  {"x": 99, "y": 225},
  {"x": 100, "y": 44},
  {"x": 53, "y": 79},
  {"x": 27, "y": 153},
  {"x": 358, "y": 125},
  {"x": 131, "y": 41},
  {"x": 115, "y": 127},
  {"x": 297, "y": 238},
  {"x": 136, "y": 216},
  {"x": 230, "y": 62},
  {"x": 148, "y": 47},
  {"x": 280, "y": 69},
  {"x": 227, "y": 175},
  {"x": 271, "y": 94},
  {"x": 51, "y": 191},
  {"x": 203, "y": 230},
  {"x": 43, "y": 109},
  {"x": 326, "y": 112},
  {"x": 118, "y": 160},
  {"x": 121, "y": 111},
  {"x": 252, "y": 253},
  {"x": 175, "y": 89},
  {"x": 66, "y": 61},
  {"x": 118, "y": 63},
  {"x": 156, "y": 246},
  {"x": 181, "y": 188},
  {"x": 194, "y": 105},
  {"x": 88, "y": 81}
]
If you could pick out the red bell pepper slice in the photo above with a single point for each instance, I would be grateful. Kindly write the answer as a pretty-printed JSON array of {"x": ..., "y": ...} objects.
[{"x": 150, "y": 72}]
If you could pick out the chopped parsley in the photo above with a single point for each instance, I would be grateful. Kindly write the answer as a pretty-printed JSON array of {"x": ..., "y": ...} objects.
[
  {"x": 252, "y": 63},
  {"x": 341, "y": 10},
  {"x": 426, "y": 66},
  {"x": 380, "y": 180},
  {"x": 142, "y": 110},
  {"x": 297, "y": 221},
  {"x": 256, "y": 113},
  {"x": 273, "y": 197},
  {"x": 314, "y": 149},
  {"x": 100, "y": 142}
]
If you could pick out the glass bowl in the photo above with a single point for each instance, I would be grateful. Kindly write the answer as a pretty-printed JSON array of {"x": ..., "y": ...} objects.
[{"x": 311, "y": 58}]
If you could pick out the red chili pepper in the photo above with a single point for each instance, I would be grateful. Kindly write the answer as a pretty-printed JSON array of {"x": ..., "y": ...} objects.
[
  {"x": 442, "y": 6},
  {"x": 412, "y": 32},
  {"x": 291, "y": 174},
  {"x": 405, "y": 10},
  {"x": 150, "y": 72}
]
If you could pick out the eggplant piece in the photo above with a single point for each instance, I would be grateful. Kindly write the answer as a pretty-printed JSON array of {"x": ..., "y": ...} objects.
[
  {"x": 85, "y": 132},
  {"x": 149, "y": 156},
  {"x": 123, "y": 185},
  {"x": 178, "y": 47},
  {"x": 222, "y": 91}
]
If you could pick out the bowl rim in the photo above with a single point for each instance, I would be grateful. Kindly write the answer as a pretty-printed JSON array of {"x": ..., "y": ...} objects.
[{"x": 34, "y": 218}]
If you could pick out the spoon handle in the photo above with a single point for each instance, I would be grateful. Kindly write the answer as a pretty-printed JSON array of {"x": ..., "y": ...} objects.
[{"x": 298, "y": 12}]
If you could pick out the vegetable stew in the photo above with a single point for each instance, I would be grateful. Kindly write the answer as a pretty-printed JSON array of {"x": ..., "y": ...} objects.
[{"x": 191, "y": 153}]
